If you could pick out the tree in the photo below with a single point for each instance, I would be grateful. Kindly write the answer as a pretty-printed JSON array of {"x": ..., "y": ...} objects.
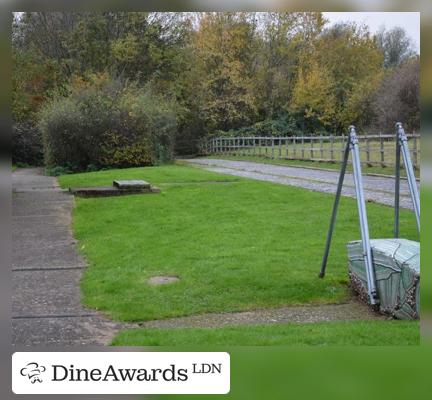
[
  {"x": 348, "y": 61},
  {"x": 224, "y": 50},
  {"x": 396, "y": 46},
  {"x": 398, "y": 97},
  {"x": 281, "y": 39},
  {"x": 314, "y": 97}
]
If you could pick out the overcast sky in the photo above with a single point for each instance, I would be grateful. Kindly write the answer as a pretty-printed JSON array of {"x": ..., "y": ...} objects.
[{"x": 410, "y": 21}]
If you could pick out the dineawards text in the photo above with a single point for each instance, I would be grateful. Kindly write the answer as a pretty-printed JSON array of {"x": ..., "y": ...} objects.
[{"x": 112, "y": 374}]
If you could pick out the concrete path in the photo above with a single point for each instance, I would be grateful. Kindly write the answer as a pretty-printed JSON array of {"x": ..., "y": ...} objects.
[
  {"x": 46, "y": 269},
  {"x": 352, "y": 311},
  {"x": 377, "y": 189}
]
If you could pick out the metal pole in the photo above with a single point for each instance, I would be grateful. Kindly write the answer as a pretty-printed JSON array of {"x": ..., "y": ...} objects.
[
  {"x": 403, "y": 142},
  {"x": 334, "y": 212},
  {"x": 397, "y": 186},
  {"x": 352, "y": 145},
  {"x": 367, "y": 251}
]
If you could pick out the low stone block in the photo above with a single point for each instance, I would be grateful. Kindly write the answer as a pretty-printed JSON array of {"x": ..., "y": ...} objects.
[
  {"x": 131, "y": 184},
  {"x": 105, "y": 191}
]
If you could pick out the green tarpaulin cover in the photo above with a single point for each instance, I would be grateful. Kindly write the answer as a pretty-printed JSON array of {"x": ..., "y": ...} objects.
[{"x": 397, "y": 272}]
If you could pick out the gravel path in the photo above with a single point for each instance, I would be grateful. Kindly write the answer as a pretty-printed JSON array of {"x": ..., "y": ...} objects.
[
  {"x": 46, "y": 269},
  {"x": 377, "y": 189}
]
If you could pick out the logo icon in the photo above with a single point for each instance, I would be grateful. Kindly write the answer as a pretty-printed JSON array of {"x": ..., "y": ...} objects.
[{"x": 33, "y": 371}]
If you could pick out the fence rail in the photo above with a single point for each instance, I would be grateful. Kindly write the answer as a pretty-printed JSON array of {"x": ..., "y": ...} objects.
[{"x": 375, "y": 150}]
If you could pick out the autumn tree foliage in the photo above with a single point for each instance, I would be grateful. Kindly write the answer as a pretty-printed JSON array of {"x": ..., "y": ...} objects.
[
  {"x": 218, "y": 73},
  {"x": 399, "y": 95}
]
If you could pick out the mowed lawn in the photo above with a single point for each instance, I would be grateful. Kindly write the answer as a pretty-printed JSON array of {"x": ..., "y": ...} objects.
[{"x": 235, "y": 244}]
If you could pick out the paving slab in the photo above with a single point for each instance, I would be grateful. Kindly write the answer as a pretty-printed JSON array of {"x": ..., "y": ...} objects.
[
  {"x": 63, "y": 331},
  {"x": 46, "y": 255},
  {"x": 28, "y": 208},
  {"x": 55, "y": 294},
  {"x": 131, "y": 184}
]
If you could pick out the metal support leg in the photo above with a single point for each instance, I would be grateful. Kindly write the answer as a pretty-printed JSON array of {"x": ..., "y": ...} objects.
[
  {"x": 397, "y": 187},
  {"x": 352, "y": 145},
  {"x": 403, "y": 144},
  {"x": 361, "y": 204},
  {"x": 335, "y": 208}
]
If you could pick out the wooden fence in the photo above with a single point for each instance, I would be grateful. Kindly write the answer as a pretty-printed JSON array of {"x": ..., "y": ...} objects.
[{"x": 375, "y": 150}]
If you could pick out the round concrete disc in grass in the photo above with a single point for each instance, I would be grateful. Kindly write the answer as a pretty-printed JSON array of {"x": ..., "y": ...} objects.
[{"x": 162, "y": 280}]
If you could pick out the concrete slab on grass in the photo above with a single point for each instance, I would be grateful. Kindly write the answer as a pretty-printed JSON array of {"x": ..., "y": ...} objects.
[{"x": 131, "y": 184}]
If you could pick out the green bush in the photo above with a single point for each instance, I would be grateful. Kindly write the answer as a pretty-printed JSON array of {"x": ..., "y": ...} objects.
[
  {"x": 106, "y": 124},
  {"x": 280, "y": 125}
]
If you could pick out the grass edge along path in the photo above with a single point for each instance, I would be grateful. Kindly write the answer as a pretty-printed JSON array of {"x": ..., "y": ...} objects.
[{"x": 365, "y": 333}]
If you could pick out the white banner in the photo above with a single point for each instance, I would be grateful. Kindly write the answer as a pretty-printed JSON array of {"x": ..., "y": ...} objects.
[{"x": 120, "y": 373}]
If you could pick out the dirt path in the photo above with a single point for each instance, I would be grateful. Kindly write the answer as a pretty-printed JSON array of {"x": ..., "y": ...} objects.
[
  {"x": 377, "y": 189},
  {"x": 46, "y": 269}
]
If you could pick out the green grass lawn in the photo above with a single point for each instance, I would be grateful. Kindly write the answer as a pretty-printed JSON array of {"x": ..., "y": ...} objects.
[
  {"x": 236, "y": 244},
  {"x": 367, "y": 333},
  {"x": 313, "y": 164}
]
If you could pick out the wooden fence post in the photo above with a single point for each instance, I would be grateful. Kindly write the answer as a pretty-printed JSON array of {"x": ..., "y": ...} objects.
[
  {"x": 382, "y": 150},
  {"x": 342, "y": 150},
  {"x": 321, "y": 147},
  {"x": 294, "y": 147},
  {"x": 302, "y": 148},
  {"x": 367, "y": 152},
  {"x": 415, "y": 151},
  {"x": 280, "y": 147},
  {"x": 272, "y": 146},
  {"x": 286, "y": 147},
  {"x": 332, "y": 147},
  {"x": 311, "y": 148}
]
